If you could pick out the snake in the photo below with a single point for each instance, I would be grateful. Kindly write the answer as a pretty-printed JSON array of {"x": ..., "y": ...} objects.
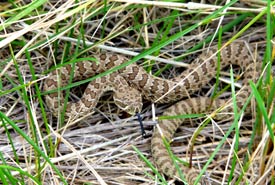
[{"x": 132, "y": 83}]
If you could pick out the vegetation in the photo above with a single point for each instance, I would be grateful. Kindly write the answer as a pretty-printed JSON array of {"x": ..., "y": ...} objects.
[{"x": 107, "y": 148}]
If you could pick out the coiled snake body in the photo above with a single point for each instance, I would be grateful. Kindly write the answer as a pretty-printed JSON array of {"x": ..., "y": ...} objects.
[{"x": 132, "y": 83}]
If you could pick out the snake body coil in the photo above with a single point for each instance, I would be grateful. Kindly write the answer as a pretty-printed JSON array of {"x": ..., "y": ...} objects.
[{"x": 132, "y": 82}]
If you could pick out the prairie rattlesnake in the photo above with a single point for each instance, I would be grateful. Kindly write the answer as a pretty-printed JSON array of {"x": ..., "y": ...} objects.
[{"x": 132, "y": 81}]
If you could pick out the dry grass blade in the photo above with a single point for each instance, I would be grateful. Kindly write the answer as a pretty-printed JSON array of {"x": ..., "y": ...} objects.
[{"x": 40, "y": 37}]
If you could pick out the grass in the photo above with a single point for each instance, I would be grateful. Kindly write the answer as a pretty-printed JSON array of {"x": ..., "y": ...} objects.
[{"x": 39, "y": 37}]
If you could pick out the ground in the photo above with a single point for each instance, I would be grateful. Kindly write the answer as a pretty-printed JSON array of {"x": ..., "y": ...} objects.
[{"x": 36, "y": 37}]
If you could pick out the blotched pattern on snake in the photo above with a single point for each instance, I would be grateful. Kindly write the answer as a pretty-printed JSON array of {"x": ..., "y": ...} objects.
[{"x": 132, "y": 82}]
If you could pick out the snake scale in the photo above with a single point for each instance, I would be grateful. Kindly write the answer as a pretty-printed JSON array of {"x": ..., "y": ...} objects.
[{"x": 131, "y": 83}]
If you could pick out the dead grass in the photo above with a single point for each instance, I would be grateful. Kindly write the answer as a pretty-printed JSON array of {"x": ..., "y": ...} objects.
[{"x": 98, "y": 149}]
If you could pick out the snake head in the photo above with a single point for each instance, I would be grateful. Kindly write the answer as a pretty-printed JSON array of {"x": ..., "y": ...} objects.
[{"x": 130, "y": 101}]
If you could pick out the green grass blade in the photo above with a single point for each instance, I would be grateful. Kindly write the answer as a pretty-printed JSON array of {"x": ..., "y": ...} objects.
[
  {"x": 22, "y": 13},
  {"x": 269, "y": 33},
  {"x": 150, "y": 165},
  {"x": 30, "y": 141},
  {"x": 262, "y": 108},
  {"x": 5, "y": 167},
  {"x": 235, "y": 123},
  {"x": 5, "y": 174}
]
